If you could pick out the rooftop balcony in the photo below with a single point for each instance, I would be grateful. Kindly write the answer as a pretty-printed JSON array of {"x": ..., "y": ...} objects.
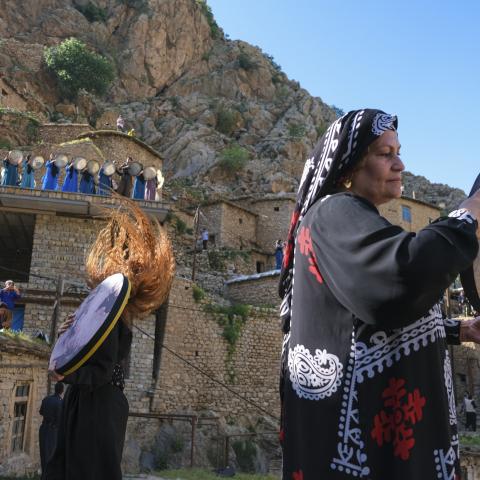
[{"x": 24, "y": 200}]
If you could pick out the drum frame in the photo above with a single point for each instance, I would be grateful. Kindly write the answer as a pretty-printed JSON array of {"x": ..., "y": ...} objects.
[{"x": 97, "y": 340}]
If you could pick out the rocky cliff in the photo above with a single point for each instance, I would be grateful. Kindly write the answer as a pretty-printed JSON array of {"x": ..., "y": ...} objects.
[
  {"x": 191, "y": 93},
  {"x": 186, "y": 89}
]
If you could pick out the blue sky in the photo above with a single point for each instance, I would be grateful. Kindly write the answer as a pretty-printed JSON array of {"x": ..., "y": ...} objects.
[{"x": 418, "y": 59}]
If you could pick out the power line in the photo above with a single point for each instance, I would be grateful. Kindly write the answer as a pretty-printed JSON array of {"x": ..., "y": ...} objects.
[
  {"x": 172, "y": 352},
  {"x": 213, "y": 379}
]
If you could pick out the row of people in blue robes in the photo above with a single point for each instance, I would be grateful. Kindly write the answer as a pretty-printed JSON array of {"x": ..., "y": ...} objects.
[{"x": 71, "y": 183}]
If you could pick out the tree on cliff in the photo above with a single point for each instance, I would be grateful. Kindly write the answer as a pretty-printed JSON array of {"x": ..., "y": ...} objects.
[{"x": 77, "y": 67}]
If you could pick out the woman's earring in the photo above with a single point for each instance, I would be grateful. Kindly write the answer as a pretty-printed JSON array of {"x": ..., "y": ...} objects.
[{"x": 347, "y": 183}]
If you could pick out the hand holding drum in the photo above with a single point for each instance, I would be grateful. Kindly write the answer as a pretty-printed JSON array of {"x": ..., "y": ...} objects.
[{"x": 472, "y": 203}]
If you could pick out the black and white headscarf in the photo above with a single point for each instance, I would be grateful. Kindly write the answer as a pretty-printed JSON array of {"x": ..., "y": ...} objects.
[{"x": 337, "y": 151}]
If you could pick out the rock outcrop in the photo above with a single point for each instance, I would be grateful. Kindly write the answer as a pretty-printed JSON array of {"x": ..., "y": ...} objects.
[{"x": 184, "y": 87}]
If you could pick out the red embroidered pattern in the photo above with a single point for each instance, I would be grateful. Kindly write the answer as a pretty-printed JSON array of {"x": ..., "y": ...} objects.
[
  {"x": 297, "y": 475},
  {"x": 401, "y": 411},
  {"x": 306, "y": 248},
  {"x": 289, "y": 247}
]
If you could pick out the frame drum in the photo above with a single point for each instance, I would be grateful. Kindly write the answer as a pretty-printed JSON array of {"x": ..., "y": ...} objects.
[
  {"x": 93, "y": 167},
  {"x": 135, "y": 168},
  {"x": 149, "y": 173},
  {"x": 61, "y": 160},
  {"x": 37, "y": 162},
  {"x": 79, "y": 163},
  {"x": 471, "y": 277},
  {"x": 108, "y": 168},
  {"x": 94, "y": 320},
  {"x": 15, "y": 157}
]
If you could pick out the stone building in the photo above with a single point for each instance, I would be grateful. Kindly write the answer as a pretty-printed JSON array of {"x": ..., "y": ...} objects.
[
  {"x": 45, "y": 236},
  {"x": 411, "y": 214},
  {"x": 23, "y": 368}
]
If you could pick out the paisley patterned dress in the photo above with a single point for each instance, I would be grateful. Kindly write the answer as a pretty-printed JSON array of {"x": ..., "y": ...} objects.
[{"x": 366, "y": 384}]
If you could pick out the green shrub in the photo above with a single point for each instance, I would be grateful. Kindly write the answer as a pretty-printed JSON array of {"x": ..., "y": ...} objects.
[
  {"x": 226, "y": 120},
  {"x": 198, "y": 293},
  {"x": 321, "y": 129},
  {"x": 4, "y": 143},
  {"x": 246, "y": 62},
  {"x": 92, "y": 12},
  {"x": 216, "y": 261},
  {"x": 207, "y": 12},
  {"x": 76, "y": 67},
  {"x": 296, "y": 130},
  {"x": 233, "y": 158},
  {"x": 180, "y": 226},
  {"x": 175, "y": 102},
  {"x": 275, "y": 65},
  {"x": 245, "y": 451}
]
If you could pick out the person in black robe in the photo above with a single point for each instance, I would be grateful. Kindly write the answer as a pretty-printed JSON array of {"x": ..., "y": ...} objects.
[
  {"x": 50, "y": 410},
  {"x": 125, "y": 184},
  {"x": 94, "y": 418},
  {"x": 366, "y": 385}
]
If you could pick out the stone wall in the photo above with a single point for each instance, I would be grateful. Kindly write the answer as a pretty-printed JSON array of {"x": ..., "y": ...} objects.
[
  {"x": 197, "y": 336},
  {"x": 260, "y": 289},
  {"x": 232, "y": 225},
  {"x": 211, "y": 218},
  {"x": 22, "y": 363},
  {"x": 10, "y": 98},
  {"x": 470, "y": 463},
  {"x": 421, "y": 213},
  {"x": 117, "y": 146},
  {"x": 56, "y": 133},
  {"x": 273, "y": 220}
]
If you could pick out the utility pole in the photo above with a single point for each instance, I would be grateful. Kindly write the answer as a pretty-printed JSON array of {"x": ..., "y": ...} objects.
[
  {"x": 55, "y": 318},
  {"x": 196, "y": 222}
]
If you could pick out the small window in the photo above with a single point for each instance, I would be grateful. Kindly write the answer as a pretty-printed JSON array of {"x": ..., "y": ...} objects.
[
  {"x": 211, "y": 239},
  {"x": 19, "y": 417},
  {"x": 277, "y": 209},
  {"x": 260, "y": 267},
  {"x": 240, "y": 220},
  {"x": 406, "y": 214}
]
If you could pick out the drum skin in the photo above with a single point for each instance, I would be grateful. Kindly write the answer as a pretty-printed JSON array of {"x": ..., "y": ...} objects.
[
  {"x": 470, "y": 278},
  {"x": 108, "y": 169},
  {"x": 37, "y": 162},
  {"x": 149, "y": 173},
  {"x": 15, "y": 157},
  {"x": 79, "y": 163},
  {"x": 135, "y": 168},
  {"x": 94, "y": 320},
  {"x": 61, "y": 160},
  {"x": 93, "y": 167}
]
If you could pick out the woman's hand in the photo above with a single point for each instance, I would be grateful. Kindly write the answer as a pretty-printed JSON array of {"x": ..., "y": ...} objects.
[
  {"x": 66, "y": 324},
  {"x": 470, "y": 330},
  {"x": 472, "y": 204},
  {"x": 56, "y": 376}
]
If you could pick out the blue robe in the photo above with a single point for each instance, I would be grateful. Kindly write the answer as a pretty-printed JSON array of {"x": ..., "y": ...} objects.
[
  {"x": 50, "y": 179},
  {"x": 139, "y": 188},
  {"x": 70, "y": 183},
  {"x": 87, "y": 184},
  {"x": 28, "y": 175},
  {"x": 10, "y": 174},
  {"x": 104, "y": 183}
]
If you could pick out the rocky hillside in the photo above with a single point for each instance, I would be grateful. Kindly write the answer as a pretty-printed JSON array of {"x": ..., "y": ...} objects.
[
  {"x": 419, "y": 187},
  {"x": 221, "y": 112}
]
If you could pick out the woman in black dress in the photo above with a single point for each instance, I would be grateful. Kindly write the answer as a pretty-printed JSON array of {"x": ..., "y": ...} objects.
[
  {"x": 366, "y": 386},
  {"x": 94, "y": 419}
]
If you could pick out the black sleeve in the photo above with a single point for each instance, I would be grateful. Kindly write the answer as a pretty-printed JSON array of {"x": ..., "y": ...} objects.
[
  {"x": 42, "y": 408},
  {"x": 98, "y": 369},
  {"x": 382, "y": 274},
  {"x": 452, "y": 329}
]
